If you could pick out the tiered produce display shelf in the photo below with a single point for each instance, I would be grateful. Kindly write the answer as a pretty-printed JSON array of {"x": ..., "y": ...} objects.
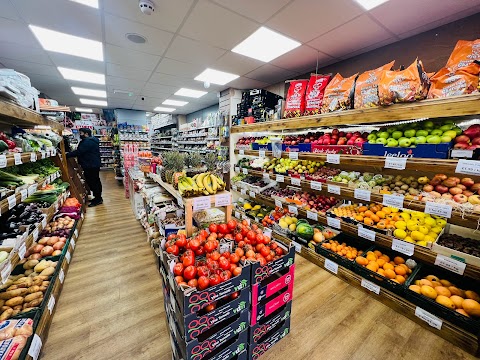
[{"x": 13, "y": 114}]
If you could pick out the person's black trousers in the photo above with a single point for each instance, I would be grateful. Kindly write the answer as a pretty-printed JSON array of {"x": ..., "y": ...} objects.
[{"x": 92, "y": 176}]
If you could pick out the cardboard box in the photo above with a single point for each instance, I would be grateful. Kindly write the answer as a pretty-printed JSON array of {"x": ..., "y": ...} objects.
[
  {"x": 259, "y": 273},
  {"x": 337, "y": 149},
  {"x": 438, "y": 151},
  {"x": 258, "y": 349},
  {"x": 268, "y": 307},
  {"x": 297, "y": 148},
  {"x": 272, "y": 285},
  {"x": 262, "y": 328}
]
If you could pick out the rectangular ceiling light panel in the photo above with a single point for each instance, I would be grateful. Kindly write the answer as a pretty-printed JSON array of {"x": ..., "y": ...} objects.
[
  {"x": 68, "y": 44},
  {"x": 370, "y": 4},
  {"x": 175, "y": 102},
  {"x": 89, "y": 92},
  {"x": 86, "y": 110},
  {"x": 190, "y": 93},
  {"x": 83, "y": 76},
  {"x": 265, "y": 45},
  {"x": 91, "y": 3},
  {"x": 93, "y": 102},
  {"x": 216, "y": 77},
  {"x": 163, "y": 109}
]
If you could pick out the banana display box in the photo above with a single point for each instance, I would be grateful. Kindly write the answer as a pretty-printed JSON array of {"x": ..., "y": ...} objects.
[{"x": 201, "y": 184}]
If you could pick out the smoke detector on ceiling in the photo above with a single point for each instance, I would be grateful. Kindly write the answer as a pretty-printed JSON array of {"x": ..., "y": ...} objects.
[{"x": 146, "y": 6}]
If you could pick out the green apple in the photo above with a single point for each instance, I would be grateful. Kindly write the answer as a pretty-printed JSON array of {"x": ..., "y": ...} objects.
[
  {"x": 372, "y": 142},
  {"x": 421, "y": 133},
  {"x": 391, "y": 142},
  {"x": 372, "y": 137},
  {"x": 384, "y": 135},
  {"x": 434, "y": 139},
  {"x": 436, "y": 132},
  {"x": 410, "y": 133},
  {"x": 381, "y": 140},
  {"x": 445, "y": 139},
  {"x": 391, "y": 129},
  {"x": 446, "y": 127},
  {"x": 397, "y": 135},
  {"x": 420, "y": 140},
  {"x": 374, "y": 132},
  {"x": 404, "y": 142},
  {"x": 457, "y": 130},
  {"x": 450, "y": 133},
  {"x": 428, "y": 124},
  {"x": 413, "y": 140}
]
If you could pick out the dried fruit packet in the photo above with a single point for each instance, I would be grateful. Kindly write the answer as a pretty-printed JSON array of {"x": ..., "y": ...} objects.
[
  {"x": 366, "y": 87},
  {"x": 339, "y": 94}
]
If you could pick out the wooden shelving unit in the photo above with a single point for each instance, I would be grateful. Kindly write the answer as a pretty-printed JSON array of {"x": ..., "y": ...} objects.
[
  {"x": 438, "y": 108},
  {"x": 13, "y": 114}
]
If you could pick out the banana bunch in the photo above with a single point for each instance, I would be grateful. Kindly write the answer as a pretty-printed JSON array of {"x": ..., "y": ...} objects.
[
  {"x": 209, "y": 183},
  {"x": 188, "y": 187}
]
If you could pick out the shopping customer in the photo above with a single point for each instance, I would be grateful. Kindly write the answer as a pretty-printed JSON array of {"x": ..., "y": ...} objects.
[{"x": 88, "y": 155}]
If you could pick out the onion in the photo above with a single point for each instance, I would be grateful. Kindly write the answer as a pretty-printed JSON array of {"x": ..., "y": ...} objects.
[
  {"x": 35, "y": 257},
  {"x": 46, "y": 251},
  {"x": 57, "y": 252},
  {"x": 37, "y": 248},
  {"x": 59, "y": 245}
]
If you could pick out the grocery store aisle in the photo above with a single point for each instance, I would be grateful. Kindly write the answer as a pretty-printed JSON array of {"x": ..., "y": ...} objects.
[{"x": 111, "y": 304}]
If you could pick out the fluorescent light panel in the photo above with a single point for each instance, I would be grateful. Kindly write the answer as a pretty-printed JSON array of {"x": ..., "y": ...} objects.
[
  {"x": 91, "y": 3},
  {"x": 370, "y": 4},
  {"x": 190, "y": 93},
  {"x": 93, "y": 102},
  {"x": 89, "y": 92},
  {"x": 175, "y": 102},
  {"x": 265, "y": 45},
  {"x": 216, "y": 77},
  {"x": 68, "y": 44},
  {"x": 86, "y": 110},
  {"x": 164, "y": 109},
  {"x": 84, "y": 76}
]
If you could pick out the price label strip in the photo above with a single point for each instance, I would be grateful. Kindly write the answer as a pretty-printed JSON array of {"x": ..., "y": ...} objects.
[
  {"x": 443, "y": 210},
  {"x": 17, "y": 158},
  {"x": 61, "y": 275},
  {"x": 12, "y": 201},
  {"x": 68, "y": 256},
  {"x": 241, "y": 152},
  {"x": 266, "y": 176},
  {"x": 312, "y": 215},
  {"x": 234, "y": 187},
  {"x": 395, "y": 201},
  {"x": 237, "y": 169},
  {"x": 429, "y": 318},
  {"x": 237, "y": 214},
  {"x": 261, "y": 154},
  {"x": 448, "y": 263},
  {"x": 252, "y": 194},
  {"x": 366, "y": 233},
  {"x": 51, "y": 304},
  {"x": 362, "y": 194},
  {"x": 278, "y": 203},
  {"x": 293, "y": 209},
  {"x": 293, "y": 155},
  {"x": 333, "y": 189},
  {"x": 316, "y": 185},
  {"x": 3, "y": 161},
  {"x": 243, "y": 192},
  {"x": 331, "y": 266},
  {"x": 333, "y": 158},
  {"x": 396, "y": 163},
  {"x": 370, "y": 286},
  {"x": 267, "y": 232},
  {"x": 223, "y": 200},
  {"x": 469, "y": 167},
  {"x": 295, "y": 181},
  {"x": 6, "y": 271},
  {"x": 201, "y": 203},
  {"x": 335, "y": 223},
  {"x": 33, "y": 157},
  {"x": 245, "y": 171},
  {"x": 35, "y": 347},
  {"x": 280, "y": 178},
  {"x": 403, "y": 247},
  {"x": 298, "y": 247}
]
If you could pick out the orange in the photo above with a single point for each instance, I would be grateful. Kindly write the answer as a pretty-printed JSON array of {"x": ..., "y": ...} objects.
[
  {"x": 359, "y": 218},
  {"x": 362, "y": 209},
  {"x": 415, "y": 288},
  {"x": 360, "y": 260},
  {"x": 381, "y": 214},
  {"x": 432, "y": 278},
  {"x": 368, "y": 213},
  {"x": 385, "y": 257},
  {"x": 388, "y": 266},
  {"x": 445, "y": 301},
  {"x": 400, "y": 279},
  {"x": 371, "y": 256},
  {"x": 390, "y": 274},
  {"x": 381, "y": 225},
  {"x": 463, "y": 312},
  {"x": 471, "y": 307},
  {"x": 380, "y": 262},
  {"x": 372, "y": 265},
  {"x": 368, "y": 221},
  {"x": 398, "y": 260},
  {"x": 426, "y": 282},
  {"x": 457, "y": 300},
  {"x": 390, "y": 216},
  {"x": 377, "y": 253},
  {"x": 375, "y": 218},
  {"x": 381, "y": 272},
  {"x": 428, "y": 291},
  {"x": 400, "y": 270},
  {"x": 456, "y": 291}
]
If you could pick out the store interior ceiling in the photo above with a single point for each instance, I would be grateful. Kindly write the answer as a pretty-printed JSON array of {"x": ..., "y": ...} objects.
[{"x": 185, "y": 37}]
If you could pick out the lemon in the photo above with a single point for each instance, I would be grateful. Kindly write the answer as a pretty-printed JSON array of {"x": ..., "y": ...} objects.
[
  {"x": 247, "y": 206},
  {"x": 428, "y": 238},
  {"x": 432, "y": 235},
  {"x": 399, "y": 233},
  {"x": 394, "y": 210},
  {"x": 422, "y": 243},
  {"x": 405, "y": 216},
  {"x": 424, "y": 230},
  {"x": 412, "y": 225},
  {"x": 294, "y": 219},
  {"x": 256, "y": 207},
  {"x": 283, "y": 224},
  {"x": 288, "y": 220},
  {"x": 441, "y": 222},
  {"x": 292, "y": 227},
  {"x": 408, "y": 239},
  {"x": 430, "y": 222},
  {"x": 417, "y": 236},
  {"x": 401, "y": 225},
  {"x": 419, "y": 215},
  {"x": 436, "y": 229}
]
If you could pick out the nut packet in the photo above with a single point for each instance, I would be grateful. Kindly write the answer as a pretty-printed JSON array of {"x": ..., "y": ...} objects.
[
  {"x": 339, "y": 94},
  {"x": 464, "y": 53},
  {"x": 295, "y": 102},
  {"x": 448, "y": 82},
  {"x": 315, "y": 91},
  {"x": 366, "y": 87}
]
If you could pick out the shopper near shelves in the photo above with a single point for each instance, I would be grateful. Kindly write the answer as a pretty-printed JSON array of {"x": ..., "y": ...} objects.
[{"x": 88, "y": 156}]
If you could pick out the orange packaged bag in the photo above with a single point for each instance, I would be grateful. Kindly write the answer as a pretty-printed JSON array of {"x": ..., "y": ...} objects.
[
  {"x": 339, "y": 94},
  {"x": 447, "y": 82},
  {"x": 464, "y": 53},
  {"x": 404, "y": 85},
  {"x": 366, "y": 87}
]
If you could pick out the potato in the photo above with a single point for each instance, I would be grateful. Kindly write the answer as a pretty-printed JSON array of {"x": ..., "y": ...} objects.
[
  {"x": 7, "y": 284},
  {"x": 48, "y": 271},
  {"x": 15, "y": 312},
  {"x": 18, "y": 300},
  {"x": 5, "y": 308},
  {"x": 18, "y": 307},
  {"x": 34, "y": 303},
  {"x": 28, "y": 272},
  {"x": 13, "y": 293},
  {"x": 31, "y": 297},
  {"x": 7, "y": 314},
  {"x": 30, "y": 264},
  {"x": 33, "y": 289},
  {"x": 43, "y": 288},
  {"x": 2, "y": 302},
  {"x": 20, "y": 280},
  {"x": 33, "y": 274},
  {"x": 45, "y": 283},
  {"x": 42, "y": 265},
  {"x": 43, "y": 278},
  {"x": 26, "y": 309}
]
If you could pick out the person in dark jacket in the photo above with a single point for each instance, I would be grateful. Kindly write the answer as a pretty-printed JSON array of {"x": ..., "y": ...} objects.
[{"x": 88, "y": 156}]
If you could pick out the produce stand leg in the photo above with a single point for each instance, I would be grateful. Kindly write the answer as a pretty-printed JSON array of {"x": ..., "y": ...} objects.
[
  {"x": 189, "y": 218},
  {"x": 228, "y": 214}
]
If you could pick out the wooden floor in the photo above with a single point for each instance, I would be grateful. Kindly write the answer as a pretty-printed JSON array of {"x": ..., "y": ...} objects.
[{"x": 111, "y": 305}]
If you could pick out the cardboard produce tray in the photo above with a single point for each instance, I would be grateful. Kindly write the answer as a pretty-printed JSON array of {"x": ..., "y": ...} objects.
[
  {"x": 263, "y": 327},
  {"x": 259, "y": 273},
  {"x": 271, "y": 285},
  {"x": 267, "y": 307},
  {"x": 278, "y": 333}
]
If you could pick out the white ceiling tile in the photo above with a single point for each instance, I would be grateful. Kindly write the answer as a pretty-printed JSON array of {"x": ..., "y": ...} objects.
[
  {"x": 128, "y": 72},
  {"x": 236, "y": 64},
  {"x": 302, "y": 59},
  {"x": 246, "y": 83},
  {"x": 121, "y": 96},
  {"x": 79, "y": 63},
  {"x": 8, "y": 11},
  {"x": 270, "y": 74},
  {"x": 179, "y": 68},
  {"x": 304, "y": 20},
  {"x": 121, "y": 56},
  {"x": 29, "y": 68},
  {"x": 43, "y": 81},
  {"x": 362, "y": 32},
  {"x": 260, "y": 11},
  {"x": 217, "y": 26},
  {"x": 116, "y": 28},
  {"x": 193, "y": 51},
  {"x": 394, "y": 16},
  {"x": 168, "y": 14},
  {"x": 24, "y": 53},
  {"x": 120, "y": 103},
  {"x": 151, "y": 101},
  {"x": 158, "y": 88},
  {"x": 142, "y": 107},
  {"x": 61, "y": 15},
  {"x": 18, "y": 33},
  {"x": 124, "y": 84}
]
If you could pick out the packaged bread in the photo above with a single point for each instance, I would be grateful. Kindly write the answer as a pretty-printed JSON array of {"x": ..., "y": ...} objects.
[
  {"x": 366, "y": 87},
  {"x": 11, "y": 349},
  {"x": 464, "y": 53},
  {"x": 295, "y": 102},
  {"x": 11, "y": 328},
  {"x": 339, "y": 94},
  {"x": 315, "y": 91},
  {"x": 448, "y": 82}
]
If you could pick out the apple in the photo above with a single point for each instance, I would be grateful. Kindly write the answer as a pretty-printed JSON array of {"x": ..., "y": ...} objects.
[
  {"x": 410, "y": 133},
  {"x": 441, "y": 189},
  {"x": 460, "y": 198},
  {"x": 351, "y": 141},
  {"x": 348, "y": 135},
  {"x": 372, "y": 137},
  {"x": 420, "y": 140},
  {"x": 452, "y": 134},
  {"x": 428, "y": 124},
  {"x": 413, "y": 140},
  {"x": 342, "y": 141},
  {"x": 392, "y": 142},
  {"x": 473, "y": 147},
  {"x": 460, "y": 145},
  {"x": 397, "y": 135},
  {"x": 467, "y": 193},
  {"x": 447, "y": 196},
  {"x": 404, "y": 142},
  {"x": 335, "y": 131},
  {"x": 466, "y": 181},
  {"x": 462, "y": 139},
  {"x": 383, "y": 134},
  {"x": 428, "y": 188},
  {"x": 455, "y": 190},
  {"x": 476, "y": 141},
  {"x": 372, "y": 142},
  {"x": 446, "y": 127},
  {"x": 445, "y": 139},
  {"x": 390, "y": 130},
  {"x": 381, "y": 140},
  {"x": 326, "y": 141},
  {"x": 433, "y": 139},
  {"x": 341, "y": 134},
  {"x": 421, "y": 133},
  {"x": 357, "y": 133},
  {"x": 474, "y": 199}
]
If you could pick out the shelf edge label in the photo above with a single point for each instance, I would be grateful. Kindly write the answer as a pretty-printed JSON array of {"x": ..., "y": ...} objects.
[
  {"x": 451, "y": 264},
  {"x": 331, "y": 266},
  {"x": 396, "y": 163},
  {"x": 403, "y": 247},
  {"x": 429, "y": 318}
]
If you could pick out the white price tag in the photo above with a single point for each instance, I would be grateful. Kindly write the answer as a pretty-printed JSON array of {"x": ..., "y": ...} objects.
[
  {"x": 362, "y": 194},
  {"x": 316, "y": 185},
  {"x": 333, "y": 222},
  {"x": 366, "y": 233},
  {"x": 470, "y": 167},
  {"x": 32, "y": 189},
  {"x": 457, "y": 153},
  {"x": 237, "y": 169},
  {"x": 76, "y": 233},
  {"x": 44, "y": 155},
  {"x": 22, "y": 250},
  {"x": 82, "y": 216},
  {"x": 68, "y": 256},
  {"x": 403, "y": 247},
  {"x": 261, "y": 154},
  {"x": 237, "y": 214},
  {"x": 295, "y": 181},
  {"x": 252, "y": 194},
  {"x": 293, "y": 209},
  {"x": 241, "y": 152},
  {"x": 266, "y": 176},
  {"x": 298, "y": 247},
  {"x": 451, "y": 264},
  {"x": 280, "y": 178},
  {"x": 395, "y": 201},
  {"x": 293, "y": 155},
  {"x": 18, "y": 158},
  {"x": 278, "y": 203},
  {"x": 12, "y": 201},
  {"x": 44, "y": 223},
  {"x": 51, "y": 304},
  {"x": 267, "y": 232},
  {"x": 370, "y": 286},
  {"x": 430, "y": 319},
  {"x": 6, "y": 271},
  {"x": 246, "y": 218},
  {"x": 53, "y": 152},
  {"x": 243, "y": 191},
  {"x": 3, "y": 161},
  {"x": 312, "y": 215},
  {"x": 35, "y": 347},
  {"x": 223, "y": 200},
  {"x": 33, "y": 157},
  {"x": 331, "y": 266},
  {"x": 397, "y": 163},
  {"x": 333, "y": 189},
  {"x": 333, "y": 158},
  {"x": 23, "y": 194},
  {"x": 245, "y": 171},
  {"x": 443, "y": 210},
  {"x": 234, "y": 187},
  {"x": 201, "y": 203},
  {"x": 61, "y": 275},
  {"x": 35, "y": 234},
  {"x": 73, "y": 243}
]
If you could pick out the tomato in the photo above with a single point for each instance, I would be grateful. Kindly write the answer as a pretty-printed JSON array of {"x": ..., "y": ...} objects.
[
  {"x": 250, "y": 254},
  {"x": 215, "y": 255},
  {"x": 266, "y": 239},
  {"x": 213, "y": 228},
  {"x": 188, "y": 258},
  {"x": 234, "y": 258},
  {"x": 259, "y": 247},
  {"x": 210, "y": 246},
  {"x": 232, "y": 267},
  {"x": 262, "y": 261},
  {"x": 204, "y": 233},
  {"x": 234, "y": 295},
  {"x": 212, "y": 265},
  {"x": 181, "y": 241},
  {"x": 211, "y": 307},
  {"x": 228, "y": 237},
  {"x": 200, "y": 251},
  {"x": 178, "y": 269},
  {"x": 279, "y": 251},
  {"x": 254, "y": 227},
  {"x": 194, "y": 244},
  {"x": 232, "y": 224},
  {"x": 193, "y": 283},
  {"x": 265, "y": 251},
  {"x": 239, "y": 252},
  {"x": 259, "y": 238},
  {"x": 237, "y": 271},
  {"x": 214, "y": 280},
  {"x": 202, "y": 271},
  {"x": 178, "y": 279},
  {"x": 241, "y": 244},
  {"x": 171, "y": 237},
  {"x": 223, "y": 229},
  {"x": 201, "y": 263},
  {"x": 274, "y": 245},
  {"x": 173, "y": 249},
  {"x": 190, "y": 272},
  {"x": 244, "y": 231},
  {"x": 211, "y": 238},
  {"x": 224, "y": 263},
  {"x": 225, "y": 275},
  {"x": 269, "y": 257},
  {"x": 203, "y": 282},
  {"x": 182, "y": 283},
  {"x": 244, "y": 222},
  {"x": 238, "y": 237},
  {"x": 251, "y": 235}
]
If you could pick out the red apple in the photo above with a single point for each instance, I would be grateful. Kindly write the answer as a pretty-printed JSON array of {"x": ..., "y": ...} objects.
[
  {"x": 342, "y": 141},
  {"x": 460, "y": 145},
  {"x": 455, "y": 190},
  {"x": 467, "y": 193},
  {"x": 341, "y": 134},
  {"x": 441, "y": 189},
  {"x": 460, "y": 198},
  {"x": 462, "y": 139},
  {"x": 476, "y": 141},
  {"x": 447, "y": 196},
  {"x": 348, "y": 135},
  {"x": 428, "y": 188},
  {"x": 326, "y": 141},
  {"x": 467, "y": 182},
  {"x": 475, "y": 187},
  {"x": 335, "y": 131},
  {"x": 473, "y": 147}
]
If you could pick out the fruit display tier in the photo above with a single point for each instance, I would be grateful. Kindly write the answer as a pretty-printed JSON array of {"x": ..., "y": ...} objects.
[
  {"x": 453, "y": 333},
  {"x": 462, "y": 219},
  {"x": 452, "y": 106},
  {"x": 190, "y": 204},
  {"x": 7, "y": 160}
]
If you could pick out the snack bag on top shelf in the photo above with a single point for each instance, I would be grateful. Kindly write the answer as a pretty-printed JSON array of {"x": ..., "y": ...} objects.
[
  {"x": 464, "y": 53},
  {"x": 406, "y": 85},
  {"x": 315, "y": 91},
  {"x": 366, "y": 87},
  {"x": 295, "y": 102},
  {"x": 449, "y": 82},
  {"x": 339, "y": 94}
]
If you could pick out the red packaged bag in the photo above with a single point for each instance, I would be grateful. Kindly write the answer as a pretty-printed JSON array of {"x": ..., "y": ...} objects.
[
  {"x": 295, "y": 103},
  {"x": 366, "y": 87},
  {"x": 339, "y": 94},
  {"x": 447, "y": 82},
  {"x": 315, "y": 91}
]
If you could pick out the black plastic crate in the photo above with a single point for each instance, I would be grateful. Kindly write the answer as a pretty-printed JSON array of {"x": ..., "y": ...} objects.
[
  {"x": 274, "y": 283},
  {"x": 263, "y": 327},
  {"x": 259, "y": 273},
  {"x": 267, "y": 307},
  {"x": 278, "y": 333}
]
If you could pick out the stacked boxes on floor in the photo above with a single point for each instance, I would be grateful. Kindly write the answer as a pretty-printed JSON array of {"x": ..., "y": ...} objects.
[
  {"x": 247, "y": 320},
  {"x": 257, "y": 103}
]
